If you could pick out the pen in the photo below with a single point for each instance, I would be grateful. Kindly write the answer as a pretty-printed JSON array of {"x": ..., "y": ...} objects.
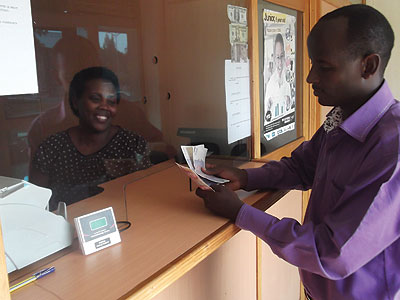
[{"x": 35, "y": 276}]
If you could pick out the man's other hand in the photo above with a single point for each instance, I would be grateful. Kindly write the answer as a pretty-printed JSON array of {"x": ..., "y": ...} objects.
[{"x": 223, "y": 201}]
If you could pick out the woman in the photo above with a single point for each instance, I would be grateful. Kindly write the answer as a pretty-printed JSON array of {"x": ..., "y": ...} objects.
[{"x": 73, "y": 162}]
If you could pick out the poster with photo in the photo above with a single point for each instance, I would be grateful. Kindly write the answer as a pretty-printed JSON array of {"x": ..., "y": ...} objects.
[{"x": 279, "y": 73}]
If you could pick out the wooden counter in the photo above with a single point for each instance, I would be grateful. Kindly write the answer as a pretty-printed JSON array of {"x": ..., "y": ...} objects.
[{"x": 171, "y": 232}]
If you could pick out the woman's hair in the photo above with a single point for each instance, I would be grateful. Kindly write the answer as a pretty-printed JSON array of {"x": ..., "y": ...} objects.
[{"x": 78, "y": 83}]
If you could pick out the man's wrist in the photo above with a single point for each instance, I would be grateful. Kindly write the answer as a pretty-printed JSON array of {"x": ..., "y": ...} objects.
[
  {"x": 236, "y": 212},
  {"x": 243, "y": 179}
]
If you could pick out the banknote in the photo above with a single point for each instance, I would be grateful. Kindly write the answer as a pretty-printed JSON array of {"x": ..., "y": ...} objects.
[
  {"x": 196, "y": 179},
  {"x": 195, "y": 157},
  {"x": 239, "y": 52},
  {"x": 238, "y": 33},
  {"x": 237, "y": 14}
]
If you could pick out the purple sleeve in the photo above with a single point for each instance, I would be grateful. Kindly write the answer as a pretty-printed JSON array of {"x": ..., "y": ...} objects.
[
  {"x": 339, "y": 245},
  {"x": 287, "y": 238},
  {"x": 296, "y": 172}
]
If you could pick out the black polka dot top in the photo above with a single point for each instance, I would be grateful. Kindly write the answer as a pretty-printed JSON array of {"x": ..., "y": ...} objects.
[{"x": 74, "y": 176}]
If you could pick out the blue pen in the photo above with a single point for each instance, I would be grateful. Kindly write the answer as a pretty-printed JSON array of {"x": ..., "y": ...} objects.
[{"x": 34, "y": 277}]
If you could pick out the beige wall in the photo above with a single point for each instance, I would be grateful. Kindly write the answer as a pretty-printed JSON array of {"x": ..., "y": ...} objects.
[{"x": 391, "y": 10}]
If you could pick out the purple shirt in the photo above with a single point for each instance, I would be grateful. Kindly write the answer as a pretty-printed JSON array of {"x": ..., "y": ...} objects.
[{"x": 349, "y": 244}]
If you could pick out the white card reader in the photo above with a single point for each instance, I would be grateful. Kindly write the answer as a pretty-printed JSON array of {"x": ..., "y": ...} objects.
[{"x": 97, "y": 230}]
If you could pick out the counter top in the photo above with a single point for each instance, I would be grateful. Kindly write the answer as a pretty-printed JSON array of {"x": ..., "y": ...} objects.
[{"x": 171, "y": 232}]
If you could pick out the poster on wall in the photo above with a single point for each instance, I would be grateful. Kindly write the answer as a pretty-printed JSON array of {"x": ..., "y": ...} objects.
[
  {"x": 17, "y": 52},
  {"x": 279, "y": 73}
]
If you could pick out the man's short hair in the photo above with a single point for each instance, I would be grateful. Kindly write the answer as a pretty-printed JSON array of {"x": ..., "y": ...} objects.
[
  {"x": 77, "y": 53},
  {"x": 368, "y": 31}
]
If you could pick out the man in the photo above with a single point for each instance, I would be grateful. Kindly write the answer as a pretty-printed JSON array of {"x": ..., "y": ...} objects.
[
  {"x": 277, "y": 91},
  {"x": 349, "y": 244}
]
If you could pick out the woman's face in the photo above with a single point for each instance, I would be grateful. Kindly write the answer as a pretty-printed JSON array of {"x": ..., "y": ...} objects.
[{"x": 98, "y": 105}]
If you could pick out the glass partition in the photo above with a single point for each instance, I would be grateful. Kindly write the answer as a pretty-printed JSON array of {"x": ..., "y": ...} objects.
[
  {"x": 122, "y": 85},
  {"x": 193, "y": 100},
  {"x": 167, "y": 55},
  {"x": 47, "y": 237}
]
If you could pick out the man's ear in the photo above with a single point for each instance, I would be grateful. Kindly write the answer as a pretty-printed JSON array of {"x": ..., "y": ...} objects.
[{"x": 370, "y": 65}]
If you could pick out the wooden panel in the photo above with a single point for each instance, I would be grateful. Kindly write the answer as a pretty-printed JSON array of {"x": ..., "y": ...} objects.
[
  {"x": 4, "y": 287},
  {"x": 293, "y": 4},
  {"x": 315, "y": 13},
  {"x": 227, "y": 274},
  {"x": 309, "y": 113},
  {"x": 283, "y": 151},
  {"x": 337, "y": 3},
  {"x": 255, "y": 79},
  {"x": 259, "y": 268},
  {"x": 281, "y": 281}
]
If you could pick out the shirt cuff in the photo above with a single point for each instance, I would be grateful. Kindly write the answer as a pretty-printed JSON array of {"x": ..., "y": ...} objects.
[
  {"x": 255, "y": 178},
  {"x": 254, "y": 220}
]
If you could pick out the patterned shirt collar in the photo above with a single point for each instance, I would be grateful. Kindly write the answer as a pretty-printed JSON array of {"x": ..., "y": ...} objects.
[
  {"x": 359, "y": 124},
  {"x": 333, "y": 119}
]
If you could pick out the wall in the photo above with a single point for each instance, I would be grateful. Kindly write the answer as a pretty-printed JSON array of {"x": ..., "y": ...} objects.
[{"x": 391, "y": 9}]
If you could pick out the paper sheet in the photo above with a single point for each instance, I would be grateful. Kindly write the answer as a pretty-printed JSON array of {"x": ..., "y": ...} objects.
[
  {"x": 237, "y": 90},
  {"x": 17, "y": 51}
]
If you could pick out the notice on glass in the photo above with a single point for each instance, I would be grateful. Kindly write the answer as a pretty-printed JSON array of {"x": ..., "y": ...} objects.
[
  {"x": 17, "y": 52},
  {"x": 237, "y": 90}
]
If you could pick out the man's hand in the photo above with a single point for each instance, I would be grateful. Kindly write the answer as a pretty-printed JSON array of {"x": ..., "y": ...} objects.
[
  {"x": 223, "y": 201},
  {"x": 237, "y": 177}
]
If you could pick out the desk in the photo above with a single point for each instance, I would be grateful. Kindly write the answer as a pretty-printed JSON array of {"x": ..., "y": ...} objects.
[{"x": 171, "y": 232}]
